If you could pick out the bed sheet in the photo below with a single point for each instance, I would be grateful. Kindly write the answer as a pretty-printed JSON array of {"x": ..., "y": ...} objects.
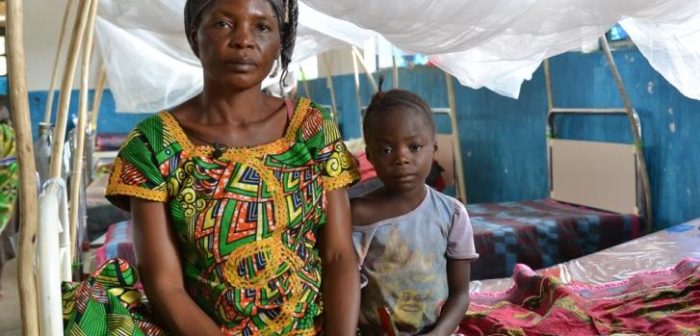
[
  {"x": 662, "y": 249},
  {"x": 541, "y": 233}
]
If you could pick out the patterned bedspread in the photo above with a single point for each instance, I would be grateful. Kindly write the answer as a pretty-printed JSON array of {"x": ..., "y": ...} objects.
[
  {"x": 655, "y": 302},
  {"x": 541, "y": 233}
]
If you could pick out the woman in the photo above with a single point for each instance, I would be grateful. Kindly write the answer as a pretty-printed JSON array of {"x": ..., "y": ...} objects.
[{"x": 229, "y": 191}]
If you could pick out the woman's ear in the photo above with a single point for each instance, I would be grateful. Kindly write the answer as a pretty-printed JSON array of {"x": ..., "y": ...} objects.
[{"x": 194, "y": 44}]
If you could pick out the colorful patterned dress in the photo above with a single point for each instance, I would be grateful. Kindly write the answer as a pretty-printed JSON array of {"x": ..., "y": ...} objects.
[
  {"x": 246, "y": 222},
  {"x": 9, "y": 178}
]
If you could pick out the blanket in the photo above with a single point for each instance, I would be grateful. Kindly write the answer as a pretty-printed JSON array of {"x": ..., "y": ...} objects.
[{"x": 660, "y": 302}]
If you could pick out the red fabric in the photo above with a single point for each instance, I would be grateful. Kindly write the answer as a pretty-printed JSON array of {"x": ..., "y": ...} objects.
[
  {"x": 366, "y": 168},
  {"x": 665, "y": 302}
]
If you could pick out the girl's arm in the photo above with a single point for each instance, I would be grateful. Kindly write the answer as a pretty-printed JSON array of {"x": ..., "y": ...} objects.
[
  {"x": 161, "y": 272},
  {"x": 341, "y": 280},
  {"x": 452, "y": 313}
]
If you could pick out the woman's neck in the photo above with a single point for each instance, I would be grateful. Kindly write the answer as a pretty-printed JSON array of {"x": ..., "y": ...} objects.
[{"x": 220, "y": 106}]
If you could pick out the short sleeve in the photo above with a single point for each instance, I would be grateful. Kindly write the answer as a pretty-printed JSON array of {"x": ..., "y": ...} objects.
[
  {"x": 328, "y": 150},
  {"x": 135, "y": 173},
  {"x": 460, "y": 240}
]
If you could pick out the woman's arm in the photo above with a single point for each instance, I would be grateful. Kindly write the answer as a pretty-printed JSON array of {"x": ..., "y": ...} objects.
[
  {"x": 161, "y": 272},
  {"x": 341, "y": 280},
  {"x": 458, "y": 300}
]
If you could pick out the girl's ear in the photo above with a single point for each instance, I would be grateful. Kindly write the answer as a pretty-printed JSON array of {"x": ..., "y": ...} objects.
[{"x": 369, "y": 158}]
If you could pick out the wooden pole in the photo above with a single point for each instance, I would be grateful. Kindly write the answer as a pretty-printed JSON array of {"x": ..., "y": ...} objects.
[
  {"x": 461, "y": 184},
  {"x": 76, "y": 177},
  {"x": 66, "y": 88},
  {"x": 19, "y": 107},
  {"x": 360, "y": 58},
  {"x": 54, "y": 74},
  {"x": 97, "y": 99},
  {"x": 357, "y": 88},
  {"x": 331, "y": 87},
  {"x": 394, "y": 69}
]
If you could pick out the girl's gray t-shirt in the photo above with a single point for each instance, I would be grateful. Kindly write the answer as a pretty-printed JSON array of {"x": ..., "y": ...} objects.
[{"x": 404, "y": 262}]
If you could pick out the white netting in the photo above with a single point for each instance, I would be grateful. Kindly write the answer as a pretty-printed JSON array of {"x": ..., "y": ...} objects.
[{"x": 484, "y": 43}]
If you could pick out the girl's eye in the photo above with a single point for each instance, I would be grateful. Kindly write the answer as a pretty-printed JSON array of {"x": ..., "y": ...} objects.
[
  {"x": 415, "y": 148},
  {"x": 385, "y": 150}
]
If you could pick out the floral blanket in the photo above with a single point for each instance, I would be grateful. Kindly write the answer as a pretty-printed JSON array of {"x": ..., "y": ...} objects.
[{"x": 661, "y": 302}]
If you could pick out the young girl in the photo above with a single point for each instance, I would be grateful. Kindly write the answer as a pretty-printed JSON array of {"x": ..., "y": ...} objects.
[{"x": 415, "y": 244}]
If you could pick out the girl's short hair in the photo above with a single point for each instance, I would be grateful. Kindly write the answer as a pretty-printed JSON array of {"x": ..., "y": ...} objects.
[{"x": 393, "y": 99}]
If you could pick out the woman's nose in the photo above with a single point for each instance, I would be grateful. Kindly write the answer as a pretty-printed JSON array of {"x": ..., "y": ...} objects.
[{"x": 242, "y": 37}]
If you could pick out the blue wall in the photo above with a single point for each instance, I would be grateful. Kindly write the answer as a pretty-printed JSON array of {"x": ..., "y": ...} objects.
[
  {"x": 503, "y": 140},
  {"x": 107, "y": 122}
]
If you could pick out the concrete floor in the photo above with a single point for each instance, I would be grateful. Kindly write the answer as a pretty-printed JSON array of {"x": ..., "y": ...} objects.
[{"x": 10, "y": 323}]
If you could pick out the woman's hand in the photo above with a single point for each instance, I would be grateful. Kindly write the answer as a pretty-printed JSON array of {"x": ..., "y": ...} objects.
[
  {"x": 160, "y": 272},
  {"x": 341, "y": 280}
]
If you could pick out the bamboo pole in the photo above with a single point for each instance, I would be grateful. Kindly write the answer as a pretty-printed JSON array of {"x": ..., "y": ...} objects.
[
  {"x": 331, "y": 87},
  {"x": 360, "y": 58},
  {"x": 357, "y": 89},
  {"x": 66, "y": 88},
  {"x": 19, "y": 102},
  {"x": 54, "y": 74},
  {"x": 76, "y": 177},
  {"x": 97, "y": 99},
  {"x": 461, "y": 184},
  {"x": 394, "y": 69}
]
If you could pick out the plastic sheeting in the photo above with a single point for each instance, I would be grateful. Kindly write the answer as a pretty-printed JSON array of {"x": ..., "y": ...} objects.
[
  {"x": 484, "y": 43},
  {"x": 663, "y": 249}
]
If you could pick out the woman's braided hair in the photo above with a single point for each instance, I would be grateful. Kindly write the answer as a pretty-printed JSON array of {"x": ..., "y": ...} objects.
[
  {"x": 287, "y": 12},
  {"x": 383, "y": 101}
]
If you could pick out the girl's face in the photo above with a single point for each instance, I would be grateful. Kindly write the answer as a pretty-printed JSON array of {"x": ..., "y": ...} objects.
[
  {"x": 401, "y": 147},
  {"x": 237, "y": 42}
]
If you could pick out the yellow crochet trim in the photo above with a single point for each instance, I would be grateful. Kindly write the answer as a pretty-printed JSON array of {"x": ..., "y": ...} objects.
[
  {"x": 117, "y": 188},
  {"x": 276, "y": 146},
  {"x": 343, "y": 180}
]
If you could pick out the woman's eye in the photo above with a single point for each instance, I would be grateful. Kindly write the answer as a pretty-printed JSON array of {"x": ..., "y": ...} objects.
[
  {"x": 222, "y": 24},
  {"x": 264, "y": 27}
]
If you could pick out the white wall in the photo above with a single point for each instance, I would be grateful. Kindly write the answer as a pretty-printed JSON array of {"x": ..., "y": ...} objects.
[{"x": 42, "y": 25}]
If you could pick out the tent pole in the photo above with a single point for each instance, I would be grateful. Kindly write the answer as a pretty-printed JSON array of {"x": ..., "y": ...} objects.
[
  {"x": 331, "y": 87},
  {"x": 97, "y": 99},
  {"x": 19, "y": 103},
  {"x": 77, "y": 171},
  {"x": 54, "y": 74},
  {"x": 394, "y": 69},
  {"x": 461, "y": 184},
  {"x": 636, "y": 129},
  {"x": 66, "y": 88},
  {"x": 360, "y": 58},
  {"x": 357, "y": 88}
]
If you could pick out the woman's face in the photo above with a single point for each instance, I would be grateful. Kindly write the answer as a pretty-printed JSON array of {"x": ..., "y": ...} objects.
[{"x": 237, "y": 42}]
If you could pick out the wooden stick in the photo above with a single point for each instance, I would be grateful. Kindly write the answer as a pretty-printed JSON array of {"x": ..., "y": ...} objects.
[
  {"x": 76, "y": 177},
  {"x": 66, "y": 88},
  {"x": 357, "y": 89},
  {"x": 25, "y": 156},
  {"x": 331, "y": 87},
  {"x": 364, "y": 66},
  {"x": 54, "y": 74},
  {"x": 461, "y": 184},
  {"x": 97, "y": 99}
]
